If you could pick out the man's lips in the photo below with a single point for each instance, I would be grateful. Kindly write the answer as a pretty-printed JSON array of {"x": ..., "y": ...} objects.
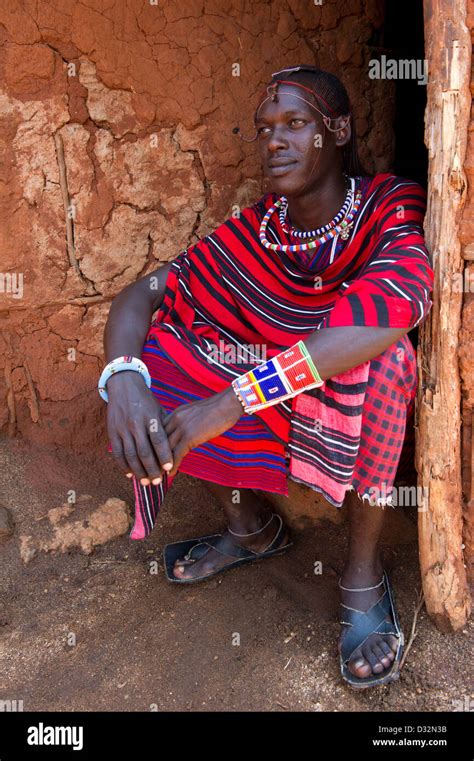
[
  {"x": 281, "y": 161},
  {"x": 280, "y": 166}
]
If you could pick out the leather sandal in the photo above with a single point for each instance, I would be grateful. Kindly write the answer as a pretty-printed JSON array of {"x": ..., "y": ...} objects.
[
  {"x": 191, "y": 550},
  {"x": 364, "y": 623}
]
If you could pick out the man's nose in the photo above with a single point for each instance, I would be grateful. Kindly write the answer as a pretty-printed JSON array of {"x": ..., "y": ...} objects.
[{"x": 277, "y": 140}]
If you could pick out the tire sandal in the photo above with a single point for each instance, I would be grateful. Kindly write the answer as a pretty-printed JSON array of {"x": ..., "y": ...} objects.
[
  {"x": 365, "y": 623},
  {"x": 191, "y": 550}
]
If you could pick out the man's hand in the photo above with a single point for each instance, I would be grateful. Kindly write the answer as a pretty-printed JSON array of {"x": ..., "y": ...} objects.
[
  {"x": 135, "y": 427},
  {"x": 193, "y": 424}
]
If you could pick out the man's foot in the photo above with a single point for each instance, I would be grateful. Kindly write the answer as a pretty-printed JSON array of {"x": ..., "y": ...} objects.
[
  {"x": 213, "y": 560},
  {"x": 377, "y": 653}
]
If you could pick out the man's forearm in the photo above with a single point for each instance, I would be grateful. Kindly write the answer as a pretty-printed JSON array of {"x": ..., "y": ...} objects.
[
  {"x": 131, "y": 312},
  {"x": 127, "y": 326},
  {"x": 335, "y": 350}
]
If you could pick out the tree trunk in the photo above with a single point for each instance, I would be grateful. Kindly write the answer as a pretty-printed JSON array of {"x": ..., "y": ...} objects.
[{"x": 438, "y": 458}]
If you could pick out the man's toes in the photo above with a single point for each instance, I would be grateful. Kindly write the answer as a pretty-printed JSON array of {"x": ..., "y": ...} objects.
[
  {"x": 374, "y": 661},
  {"x": 381, "y": 655},
  {"x": 188, "y": 570},
  {"x": 387, "y": 650},
  {"x": 180, "y": 570},
  {"x": 392, "y": 642},
  {"x": 184, "y": 569},
  {"x": 359, "y": 667}
]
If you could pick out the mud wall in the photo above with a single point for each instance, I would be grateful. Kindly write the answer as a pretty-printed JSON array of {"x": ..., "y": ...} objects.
[{"x": 117, "y": 146}]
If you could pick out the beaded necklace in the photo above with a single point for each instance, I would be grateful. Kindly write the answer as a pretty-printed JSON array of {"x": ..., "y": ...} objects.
[
  {"x": 320, "y": 230},
  {"x": 341, "y": 228}
]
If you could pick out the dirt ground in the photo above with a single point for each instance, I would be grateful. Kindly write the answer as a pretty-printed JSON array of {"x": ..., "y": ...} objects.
[{"x": 100, "y": 632}]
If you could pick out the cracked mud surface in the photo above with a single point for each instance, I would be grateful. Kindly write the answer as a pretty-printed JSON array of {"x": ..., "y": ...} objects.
[{"x": 117, "y": 122}]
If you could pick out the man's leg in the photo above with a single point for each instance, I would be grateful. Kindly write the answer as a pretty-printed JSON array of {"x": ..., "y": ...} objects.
[
  {"x": 250, "y": 515},
  {"x": 364, "y": 568}
]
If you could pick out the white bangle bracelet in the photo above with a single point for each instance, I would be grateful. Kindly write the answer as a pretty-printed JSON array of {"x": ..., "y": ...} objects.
[{"x": 119, "y": 365}]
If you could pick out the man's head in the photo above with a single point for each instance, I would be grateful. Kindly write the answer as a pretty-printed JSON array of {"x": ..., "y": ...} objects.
[{"x": 304, "y": 130}]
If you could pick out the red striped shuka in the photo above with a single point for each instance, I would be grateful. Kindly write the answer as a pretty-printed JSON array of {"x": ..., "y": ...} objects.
[{"x": 231, "y": 303}]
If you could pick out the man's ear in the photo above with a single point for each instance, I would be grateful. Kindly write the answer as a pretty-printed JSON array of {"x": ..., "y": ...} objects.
[{"x": 344, "y": 130}]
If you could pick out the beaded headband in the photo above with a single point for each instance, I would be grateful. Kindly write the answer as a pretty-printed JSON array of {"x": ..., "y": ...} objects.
[
  {"x": 275, "y": 84},
  {"x": 272, "y": 94}
]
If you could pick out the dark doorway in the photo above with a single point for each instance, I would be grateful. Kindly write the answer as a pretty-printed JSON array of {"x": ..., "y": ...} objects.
[{"x": 403, "y": 38}]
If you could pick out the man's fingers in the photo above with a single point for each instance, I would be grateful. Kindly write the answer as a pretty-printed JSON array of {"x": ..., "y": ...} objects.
[
  {"x": 174, "y": 438},
  {"x": 169, "y": 424},
  {"x": 147, "y": 456},
  {"x": 163, "y": 449},
  {"x": 174, "y": 443},
  {"x": 132, "y": 460},
  {"x": 178, "y": 453},
  {"x": 118, "y": 454},
  {"x": 159, "y": 440}
]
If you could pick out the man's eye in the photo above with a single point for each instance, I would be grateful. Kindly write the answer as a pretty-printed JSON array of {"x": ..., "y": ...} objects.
[{"x": 260, "y": 130}]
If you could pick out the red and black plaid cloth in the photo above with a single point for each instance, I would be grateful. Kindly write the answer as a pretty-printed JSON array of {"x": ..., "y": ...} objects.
[{"x": 229, "y": 290}]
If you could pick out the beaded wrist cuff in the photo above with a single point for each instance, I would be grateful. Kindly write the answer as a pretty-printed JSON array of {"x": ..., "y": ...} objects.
[
  {"x": 118, "y": 365},
  {"x": 286, "y": 375}
]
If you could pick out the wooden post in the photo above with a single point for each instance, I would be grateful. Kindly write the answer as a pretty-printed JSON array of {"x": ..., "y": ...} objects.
[{"x": 438, "y": 440}]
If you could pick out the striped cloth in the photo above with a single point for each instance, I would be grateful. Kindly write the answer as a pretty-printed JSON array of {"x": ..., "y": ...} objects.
[
  {"x": 228, "y": 292},
  {"x": 351, "y": 433}
]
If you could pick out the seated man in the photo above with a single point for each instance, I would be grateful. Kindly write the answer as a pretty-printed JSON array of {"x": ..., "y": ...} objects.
[{"x": 326, "y": 274}]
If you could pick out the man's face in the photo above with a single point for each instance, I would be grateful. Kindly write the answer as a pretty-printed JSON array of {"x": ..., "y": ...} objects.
[{"x": 290, "y": 135}]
